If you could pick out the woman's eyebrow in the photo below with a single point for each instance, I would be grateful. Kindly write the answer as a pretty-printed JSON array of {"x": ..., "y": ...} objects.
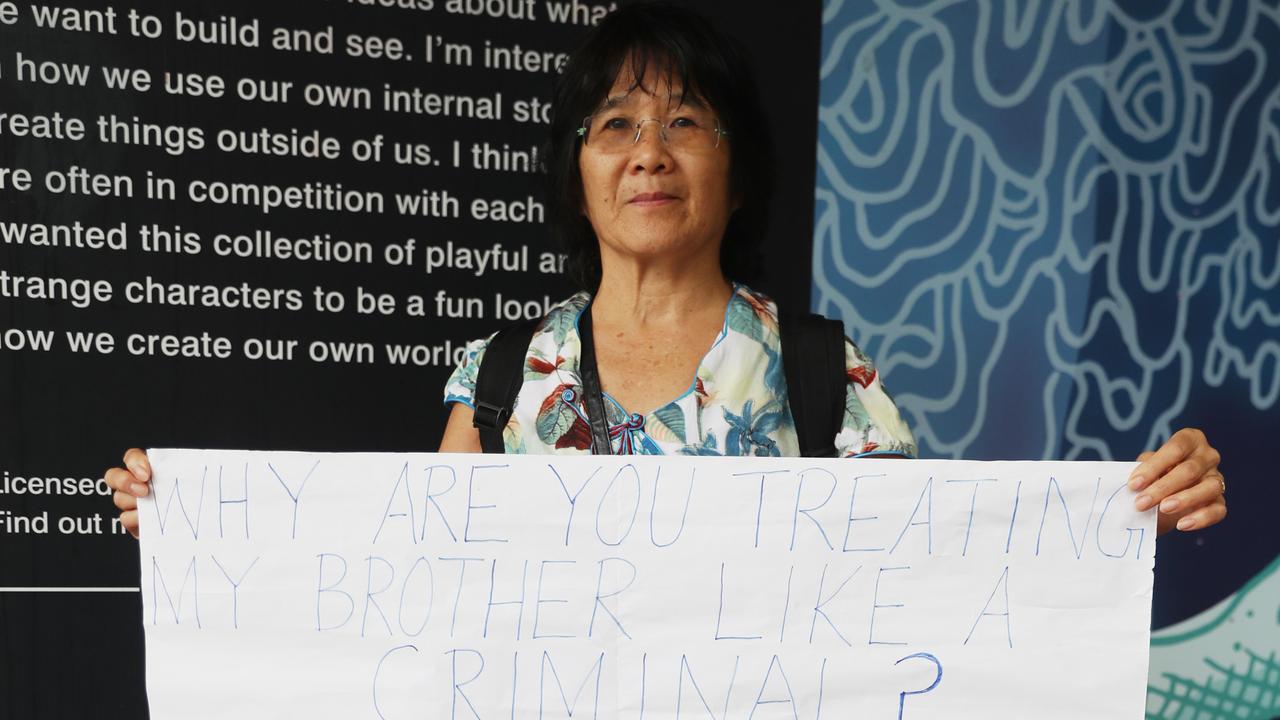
[
  {"x": 675, "y": 100},
  {"x": 693, "y": 101}
]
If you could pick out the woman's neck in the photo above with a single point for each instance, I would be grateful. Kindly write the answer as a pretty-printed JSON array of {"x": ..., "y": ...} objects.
[{"x": 636, "y": 294}]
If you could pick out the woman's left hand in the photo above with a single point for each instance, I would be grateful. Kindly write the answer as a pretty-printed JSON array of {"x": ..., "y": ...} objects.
[{"x": 1183, "y": 478}]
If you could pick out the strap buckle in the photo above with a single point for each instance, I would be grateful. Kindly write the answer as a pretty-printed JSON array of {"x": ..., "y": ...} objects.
[{"x": 488, "y": 416}]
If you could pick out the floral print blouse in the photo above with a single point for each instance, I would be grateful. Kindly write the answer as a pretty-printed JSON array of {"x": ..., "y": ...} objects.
[{"x": 735, "y": 405}]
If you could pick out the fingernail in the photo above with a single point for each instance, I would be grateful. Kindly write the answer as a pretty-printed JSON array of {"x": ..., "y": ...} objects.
[
  {"x": 1135, "y": 482},
  {"x": 1186, "y": 523},
  {"x": 1169, "y": 505},
  {"x": 139, "y": 489},
  {"x": 1142, "y": 503}
]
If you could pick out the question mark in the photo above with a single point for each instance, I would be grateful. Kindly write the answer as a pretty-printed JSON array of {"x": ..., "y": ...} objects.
[{"x": 902, "y": 696}]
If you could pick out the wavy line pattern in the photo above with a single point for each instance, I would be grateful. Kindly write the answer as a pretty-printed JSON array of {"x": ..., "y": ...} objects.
[
  {"x": 1046, "y": 220},
  {"x": 1054, "y": 222}
]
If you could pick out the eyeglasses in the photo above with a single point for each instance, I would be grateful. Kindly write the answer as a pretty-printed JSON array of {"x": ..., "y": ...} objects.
[{"x": 694, "y": 131}]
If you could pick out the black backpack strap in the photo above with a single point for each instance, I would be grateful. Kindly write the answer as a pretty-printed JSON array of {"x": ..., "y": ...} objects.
[
  {"x": 813, "y": 362},
  {"x": 593, "y": 396},
  {"x": 498, "y": 382}
]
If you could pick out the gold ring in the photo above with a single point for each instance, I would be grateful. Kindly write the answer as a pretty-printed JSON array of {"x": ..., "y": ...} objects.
[{"x": 1224, "y": 485}]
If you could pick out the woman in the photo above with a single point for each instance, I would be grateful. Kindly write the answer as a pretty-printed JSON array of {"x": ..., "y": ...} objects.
[
  {"x": 658, "y": 168},
  {"x": 659, "y": 165}
]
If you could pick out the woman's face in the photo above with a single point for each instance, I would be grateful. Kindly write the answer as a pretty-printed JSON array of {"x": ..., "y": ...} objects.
[{"x": 649, "y": 200}]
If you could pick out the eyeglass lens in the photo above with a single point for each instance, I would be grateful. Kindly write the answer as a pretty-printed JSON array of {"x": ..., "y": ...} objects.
[{"x": 689, "y": 130}]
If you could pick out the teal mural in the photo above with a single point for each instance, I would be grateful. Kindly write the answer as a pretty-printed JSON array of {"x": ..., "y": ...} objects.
[
  {"x": 1223, "y": 662},
  {"x": 1055, "y": 226}
]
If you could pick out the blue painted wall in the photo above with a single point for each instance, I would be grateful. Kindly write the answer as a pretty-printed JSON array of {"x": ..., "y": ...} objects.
[{"x": 1056, "y": 227}]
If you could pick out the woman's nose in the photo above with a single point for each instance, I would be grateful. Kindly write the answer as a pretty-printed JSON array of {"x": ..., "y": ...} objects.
[{"x": 650, "y": 150}]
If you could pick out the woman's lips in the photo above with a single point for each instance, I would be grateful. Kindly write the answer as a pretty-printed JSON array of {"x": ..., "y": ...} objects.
[{"x": 650, "y": 199}]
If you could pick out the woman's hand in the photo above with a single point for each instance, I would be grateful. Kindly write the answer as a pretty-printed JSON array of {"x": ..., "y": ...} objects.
[
  {"x": 1183, "y": 478},
  {"x": 130, "y": 483}
]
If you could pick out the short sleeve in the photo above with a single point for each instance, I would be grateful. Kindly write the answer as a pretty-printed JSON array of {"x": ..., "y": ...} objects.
[
  {"x": 461, "y": 387},
  {"x": 872, "y": 424}
]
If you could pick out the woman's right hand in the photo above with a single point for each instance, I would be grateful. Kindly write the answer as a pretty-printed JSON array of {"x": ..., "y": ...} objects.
[{"x": 130, "y": 483}]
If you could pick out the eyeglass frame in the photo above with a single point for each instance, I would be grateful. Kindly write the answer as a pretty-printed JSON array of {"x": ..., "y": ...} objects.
[{"x": 662, "y": 131}]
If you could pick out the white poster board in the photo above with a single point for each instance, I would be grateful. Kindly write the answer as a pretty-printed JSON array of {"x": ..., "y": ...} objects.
[{"x": 469, "y": 586}]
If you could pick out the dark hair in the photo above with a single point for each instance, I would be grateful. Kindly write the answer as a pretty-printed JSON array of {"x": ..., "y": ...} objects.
[{"x": 684, "y": 48}]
